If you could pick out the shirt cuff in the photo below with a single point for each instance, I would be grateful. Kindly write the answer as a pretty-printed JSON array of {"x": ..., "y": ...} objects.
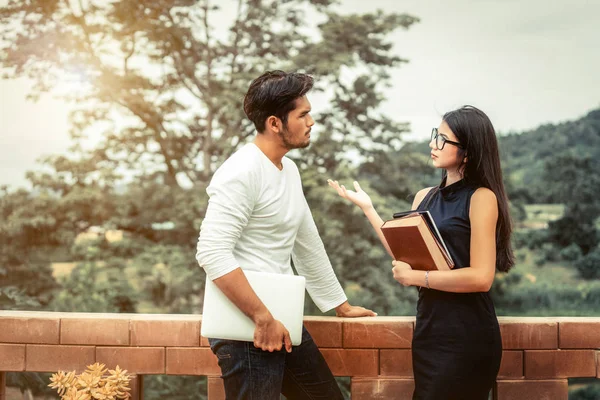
[{"x": 331, "y": 304}]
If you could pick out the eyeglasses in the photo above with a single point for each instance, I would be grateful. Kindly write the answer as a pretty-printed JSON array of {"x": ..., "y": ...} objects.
[{"x": 440, "y": 140}]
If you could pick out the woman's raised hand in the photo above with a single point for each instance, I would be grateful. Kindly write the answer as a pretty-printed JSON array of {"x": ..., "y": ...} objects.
[{"x": 360, "y": 197}]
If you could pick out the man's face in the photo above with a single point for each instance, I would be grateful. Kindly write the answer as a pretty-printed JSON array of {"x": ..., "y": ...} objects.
[{"x": 297, "y": 133}]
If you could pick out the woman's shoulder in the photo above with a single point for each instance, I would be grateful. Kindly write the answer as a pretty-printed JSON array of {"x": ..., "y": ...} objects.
[
  {"x": 484, "y": 195},
  {"x": 421, "y": 194},
  {"x": 484, "y": 199}
]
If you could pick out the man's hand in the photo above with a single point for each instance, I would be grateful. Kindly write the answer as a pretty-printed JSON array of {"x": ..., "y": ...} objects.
[
  {"x": 346, "y": 310},
  {"x": 270, "y": 334}
]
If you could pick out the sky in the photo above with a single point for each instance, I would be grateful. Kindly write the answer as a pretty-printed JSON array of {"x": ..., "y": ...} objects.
[{"x": 525, "y": 63}]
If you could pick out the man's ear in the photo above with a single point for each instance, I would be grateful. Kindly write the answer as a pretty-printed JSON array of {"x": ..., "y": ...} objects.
[{"x": 273, "y": 124}]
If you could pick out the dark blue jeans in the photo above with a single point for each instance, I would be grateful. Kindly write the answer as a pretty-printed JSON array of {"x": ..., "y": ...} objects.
[{"x": 252, "y": 374}]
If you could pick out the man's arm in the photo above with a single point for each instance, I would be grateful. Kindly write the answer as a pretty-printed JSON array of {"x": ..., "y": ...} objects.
[
  {"x": 311, "y": 261},
  {"x": 229, "y": 210}
]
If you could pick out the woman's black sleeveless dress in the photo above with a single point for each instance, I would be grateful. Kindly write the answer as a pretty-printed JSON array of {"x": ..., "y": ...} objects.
[{"x": 456, "y": 346}]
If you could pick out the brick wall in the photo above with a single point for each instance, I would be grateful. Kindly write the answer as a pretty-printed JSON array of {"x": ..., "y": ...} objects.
[{"x": 539, "y": 353}]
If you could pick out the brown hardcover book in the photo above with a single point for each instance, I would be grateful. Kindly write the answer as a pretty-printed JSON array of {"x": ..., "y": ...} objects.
[{"x": 412, "y": 241}]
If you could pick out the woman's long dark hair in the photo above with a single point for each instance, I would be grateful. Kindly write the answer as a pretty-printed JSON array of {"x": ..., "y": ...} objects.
[{"x": 481, "y": 167}]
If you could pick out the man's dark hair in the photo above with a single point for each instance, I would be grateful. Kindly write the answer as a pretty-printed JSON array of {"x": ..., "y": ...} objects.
[{"x": 274, "y": 93}]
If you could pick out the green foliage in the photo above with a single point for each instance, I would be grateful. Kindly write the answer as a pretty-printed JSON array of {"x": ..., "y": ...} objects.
[
  {"x": 559, "y": 164},
  {"x": 529, "y": 156},
  {"x": 158, "y": 387},
  {"x": 547, "y": 253},
  {"x": 27, "y": 233},
  {"x": 589, "y": 266},
  {"x": 571, "y": 253},
  {"x": 529, "y": 238},
  {"x": 178, "y": 99},
  {"x": 586, "y": 389},
  {"x": 547, "y": 299},
  {"x": 575, "y": 183},
  {"x": 170, "y": 278},
  {"x": 32, "y": 383},
  {"x": 178, "y": 125},
  {"x": 575, "y": 228},
  {"x": 504, "y": 282},
  {"x": 94, "y": 288}
]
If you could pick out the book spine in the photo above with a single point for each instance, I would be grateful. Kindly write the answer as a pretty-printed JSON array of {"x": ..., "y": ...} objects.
[{"x": 441, "y": 263}]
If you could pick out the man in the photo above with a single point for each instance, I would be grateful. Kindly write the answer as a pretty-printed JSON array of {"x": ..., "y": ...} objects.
[{"x": 257, "y": 218}]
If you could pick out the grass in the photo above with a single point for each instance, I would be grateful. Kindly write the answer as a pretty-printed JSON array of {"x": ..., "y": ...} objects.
[
  {"x": 553, "y": 273},
  {"x": 538, "y": 215}
]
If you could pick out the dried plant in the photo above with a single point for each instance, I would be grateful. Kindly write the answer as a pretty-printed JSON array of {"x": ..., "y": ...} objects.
[{"x": 92, "y": 384}]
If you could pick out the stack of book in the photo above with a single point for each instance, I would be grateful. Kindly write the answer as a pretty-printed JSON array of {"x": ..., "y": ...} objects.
[{"x": 414, "y": 238}]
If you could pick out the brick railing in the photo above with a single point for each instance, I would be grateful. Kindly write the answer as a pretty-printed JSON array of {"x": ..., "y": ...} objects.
[{"x": 539, "y": 353}]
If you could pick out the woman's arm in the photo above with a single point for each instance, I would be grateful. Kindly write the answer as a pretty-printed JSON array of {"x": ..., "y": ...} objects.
[
  {"x": 376, "y": 223},
  {"x": 362, "y": 199},
  {"x": 480, "y": 276}
]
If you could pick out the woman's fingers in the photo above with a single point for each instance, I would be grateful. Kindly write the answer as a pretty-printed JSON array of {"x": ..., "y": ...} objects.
[{"x": 340, "y": 189}]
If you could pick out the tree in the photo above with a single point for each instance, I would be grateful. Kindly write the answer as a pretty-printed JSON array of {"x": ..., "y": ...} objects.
[
  {"x": 574, "y": 183},
  {"x": 177, "y": 86},
  {"x": 165, "y": 90},
  {"x": 26, "y": 235},
  {"x": 525, "y": 155}
]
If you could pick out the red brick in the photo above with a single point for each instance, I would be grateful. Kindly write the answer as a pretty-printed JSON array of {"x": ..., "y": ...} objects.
[
  {"x": 192, "y": 361},
  {"x": 557, "y": 389},
  {"x": 216, "y": 390},
  {"x": 528, "y": 333},
  {"x": 325, "y": 331},
  {"x": 396, "y": 363},
  {"x": 165, "y": 333},
  {"x": 29, "y": 330},
  {"x": 204, "y": 342},
  {"x": 136, "y": 360},
  {"x": 94, "y": 331},
  {"x": 352, "y": 362},
  {"x": 378, "y": 332},
  {"x": 136, "y": 384},
  {"x": 540, "y": 364},
  {"x": 511, "y": 365},
  {"x": 382, "y": 388},
  {"x": 598, "y": 364},
  {"x": 579, "y": 335},
  {"x": 3, "y": 385},
  {"x": 12, "y": 357},
  {"x": 52, "y": 358}
]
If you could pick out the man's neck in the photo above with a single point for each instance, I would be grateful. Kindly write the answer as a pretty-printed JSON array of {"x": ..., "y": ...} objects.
[{"x": 271, "y": 147}]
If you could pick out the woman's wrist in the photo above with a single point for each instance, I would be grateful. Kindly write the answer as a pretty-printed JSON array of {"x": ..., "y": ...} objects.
[
  {"x": 416, "y": 278},
  {"x": 368, "y": 209}
]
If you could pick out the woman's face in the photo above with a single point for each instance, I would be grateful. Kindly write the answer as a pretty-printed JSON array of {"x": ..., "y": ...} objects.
[{"x": 450, "y": 156}]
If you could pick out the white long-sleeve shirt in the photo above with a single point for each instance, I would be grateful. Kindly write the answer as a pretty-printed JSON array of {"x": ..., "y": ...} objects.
[{"x": 257, "y": 218}]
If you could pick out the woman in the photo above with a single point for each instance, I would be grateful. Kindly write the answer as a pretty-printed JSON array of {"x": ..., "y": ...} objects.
[{"x": 456, "y": 345}]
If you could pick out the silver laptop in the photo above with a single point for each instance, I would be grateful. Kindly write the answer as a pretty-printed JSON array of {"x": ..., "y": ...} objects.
[{"x": 282, "y": 294}]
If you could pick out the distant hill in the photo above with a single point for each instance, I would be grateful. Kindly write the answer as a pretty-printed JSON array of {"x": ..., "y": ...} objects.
[{"x": 525, "y": 155}]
